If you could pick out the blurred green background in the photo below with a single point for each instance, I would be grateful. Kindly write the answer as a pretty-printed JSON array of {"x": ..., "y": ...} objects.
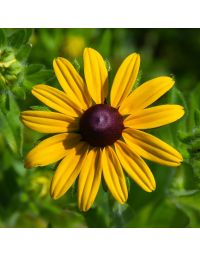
[{"x": 26, "y": 57}]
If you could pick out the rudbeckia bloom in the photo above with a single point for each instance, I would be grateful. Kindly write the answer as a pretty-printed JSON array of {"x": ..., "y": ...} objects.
[{"x": 100, "y": 133}]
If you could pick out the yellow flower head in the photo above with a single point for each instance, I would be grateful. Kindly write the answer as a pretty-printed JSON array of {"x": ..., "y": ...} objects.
[{"x": 97, "y": 138}]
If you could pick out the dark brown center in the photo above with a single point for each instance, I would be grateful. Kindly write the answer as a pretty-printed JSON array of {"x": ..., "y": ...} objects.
[{"x": 101, "y": 125}]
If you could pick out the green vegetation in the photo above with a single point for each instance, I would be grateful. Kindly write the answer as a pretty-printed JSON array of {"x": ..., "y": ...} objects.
[{"x": 26, "y": 59}]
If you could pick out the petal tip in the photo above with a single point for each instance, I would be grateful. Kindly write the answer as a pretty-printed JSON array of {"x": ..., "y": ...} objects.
[
  {"x": 90, "y": 50},
  {"x": 135, "y": 56},
  {"x": 172, "y": 79},
  {"x": 138, "y": 56},
  {"x": 153, "y": 187},
  {"x": 36, "y": 88},
  {"x": 183, "y": 110},
  {"x": 21, "y": 116},
  {"x": 150, "y": 190},
  {"x": 86, "y": 50},
  {"x": 83, "y": 208},
  {"x": 138, "y": 59},
  {"x": 29, "y": 163},
  {"x": 54, "y": 195},
  {"x": 56, "y": 62},
  {"x": 180, "y": 161},
  {"x": 168, "y": 80},
  {"x": 58, "y": 59},
  {"x": 124, "y": 200},
  {"x": 180, "y": 157}
]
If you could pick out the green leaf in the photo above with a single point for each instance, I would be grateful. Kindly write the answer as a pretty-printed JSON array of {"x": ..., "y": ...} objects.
[
  {"x": 7, "y": 133},
  {"x": 17, "y": 39},
  {"x": 164, "y": 214},
  {"x": 191, "y": 206},
  {"x": 176, "y": 97},
  {"x": 189, "y": 137},
  {"x": 95, "y": 218},
  {"x": 13, "y": 116},
  {"x": 3, "y": 99},
  {"x": 105, "y": 43},
  {"x": 13, "y": 106},
  {"x": 23, "y": 52},
  {"x": 40, "y": 108},
  {"x": 184, "y": 181},
  {"x": 194, "y": 103},
  {"x": 33, "y": 68},
  {"x": 40, "y": 77},
  {"x": 197, "y": 117},
  {"x": 28, "y": 33},
  {"x": 2, "y": 38},
  {"x": 196, "y": 167},
  {"x": 195, "y": 97},
  {"x": 77, "y": 65},
  {"x": 19, "y": 92}
]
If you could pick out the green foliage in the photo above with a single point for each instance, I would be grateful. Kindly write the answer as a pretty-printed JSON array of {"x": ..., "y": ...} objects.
[
  {"x": 15, "y": 48},
  {"x": 2, "y": 39},
  {"x": 11, "y": 128},
  {"x": 26, "y": 57}
]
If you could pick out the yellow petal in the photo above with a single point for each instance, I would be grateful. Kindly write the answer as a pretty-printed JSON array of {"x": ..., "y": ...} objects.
[
  {"x": 154, "y": 117},
  {"x": 152, "y": 148},
  {"x": 96, "y": 75},
  {"x": 56, "y": 100},
  {"x": 124, "y": 79},
  {"x": 51, "y": 149},
  {"x": 71, "y": 82},
  {"x": 49, "y": 122},
  {"x": 146, "y": 94},
  {"x": 68, "y": 170},
  {"x": 89, "y": 179},
  {"x": 135, "y": 166},
  {"x": 113, "y": 175}
]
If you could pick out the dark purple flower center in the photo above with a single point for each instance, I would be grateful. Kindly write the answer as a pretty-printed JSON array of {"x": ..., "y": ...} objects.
[{"x": 101, "y": 125}]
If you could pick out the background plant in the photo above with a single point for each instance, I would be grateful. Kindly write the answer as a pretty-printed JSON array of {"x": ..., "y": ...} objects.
[{"x": 26, "y": 59}]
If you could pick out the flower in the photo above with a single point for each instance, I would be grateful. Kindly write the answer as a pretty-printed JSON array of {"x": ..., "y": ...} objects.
[
  {"x": 98, "y": 138},
  {"x": 10, "y": 68}
]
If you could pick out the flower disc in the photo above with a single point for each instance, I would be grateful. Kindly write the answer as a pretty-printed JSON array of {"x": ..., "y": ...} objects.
[{"x": 101, "y": 125}]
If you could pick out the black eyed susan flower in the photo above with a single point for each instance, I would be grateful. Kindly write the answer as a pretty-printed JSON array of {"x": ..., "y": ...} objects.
[{"x": 96, "y": 138}]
